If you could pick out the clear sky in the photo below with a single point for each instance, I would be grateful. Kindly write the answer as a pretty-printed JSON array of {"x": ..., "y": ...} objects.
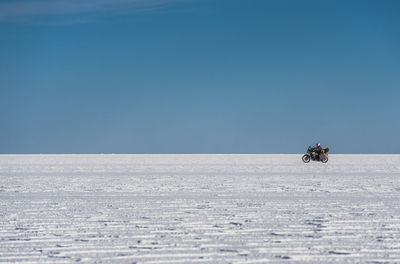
[{"x": 199, "y": 76}]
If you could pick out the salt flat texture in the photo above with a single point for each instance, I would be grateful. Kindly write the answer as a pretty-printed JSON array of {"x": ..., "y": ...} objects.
[{"x": 199, "y": 209}]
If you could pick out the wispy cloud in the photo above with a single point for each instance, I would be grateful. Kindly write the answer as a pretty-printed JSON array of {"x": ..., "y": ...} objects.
[{"x": 78, "y": 9}]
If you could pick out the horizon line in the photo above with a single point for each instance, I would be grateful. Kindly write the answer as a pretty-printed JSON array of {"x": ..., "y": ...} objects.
[{"x": 16, "y": 154}]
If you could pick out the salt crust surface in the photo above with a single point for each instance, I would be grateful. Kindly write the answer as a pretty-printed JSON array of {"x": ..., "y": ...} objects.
[{"x": 199, "y": 209}]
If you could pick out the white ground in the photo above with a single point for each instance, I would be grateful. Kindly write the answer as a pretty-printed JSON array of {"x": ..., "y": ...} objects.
[{"x": 199, "y": 209}]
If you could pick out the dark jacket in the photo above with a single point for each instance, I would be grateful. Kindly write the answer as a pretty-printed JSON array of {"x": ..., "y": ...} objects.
[{"x": 317, "y": 149}]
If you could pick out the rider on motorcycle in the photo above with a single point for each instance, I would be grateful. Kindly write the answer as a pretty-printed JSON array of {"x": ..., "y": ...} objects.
[
  {"x": 316, "y": 153},
  {"x": 317, "y": 149}
]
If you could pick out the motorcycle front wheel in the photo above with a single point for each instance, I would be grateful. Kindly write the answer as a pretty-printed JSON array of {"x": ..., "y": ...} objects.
[
  {"x": 306, "y": 158},
  {"x": 325, "y": 160}
]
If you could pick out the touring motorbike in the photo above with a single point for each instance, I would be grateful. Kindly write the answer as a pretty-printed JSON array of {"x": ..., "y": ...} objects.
[{"x": 312, "y": 155}]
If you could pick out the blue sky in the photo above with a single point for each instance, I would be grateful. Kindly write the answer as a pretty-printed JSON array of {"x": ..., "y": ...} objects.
[{"x": 199, "y": 76}]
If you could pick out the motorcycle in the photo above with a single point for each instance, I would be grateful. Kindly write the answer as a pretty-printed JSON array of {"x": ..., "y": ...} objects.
[{"x": 312, "y": 155}]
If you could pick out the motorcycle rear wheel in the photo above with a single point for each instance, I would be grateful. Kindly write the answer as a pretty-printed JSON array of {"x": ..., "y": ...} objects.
[{"x": 306, "y": 158}]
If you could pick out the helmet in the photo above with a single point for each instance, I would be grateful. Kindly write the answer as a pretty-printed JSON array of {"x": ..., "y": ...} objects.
[{"x": 318, "y": 145}]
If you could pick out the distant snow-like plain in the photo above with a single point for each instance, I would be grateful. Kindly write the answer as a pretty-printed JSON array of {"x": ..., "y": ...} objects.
[{"x": 199, "y": 209}]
